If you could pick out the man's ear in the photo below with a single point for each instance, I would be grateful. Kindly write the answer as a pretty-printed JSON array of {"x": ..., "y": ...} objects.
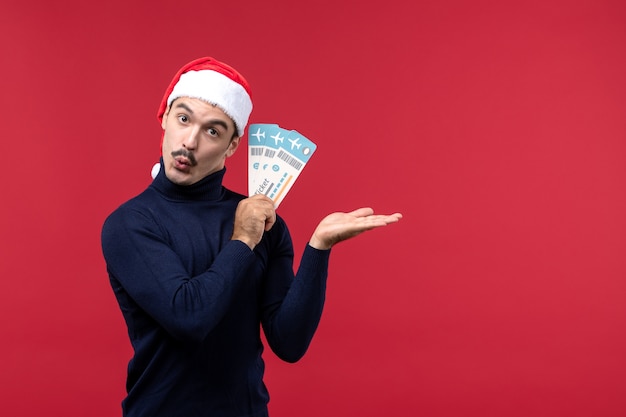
[
  {"x": 164, "y": 118},
  {"x": 232, "y": 147}
]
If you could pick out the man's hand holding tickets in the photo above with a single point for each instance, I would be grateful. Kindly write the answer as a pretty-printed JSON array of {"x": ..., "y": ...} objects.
[{"x": 254, "y": 216}]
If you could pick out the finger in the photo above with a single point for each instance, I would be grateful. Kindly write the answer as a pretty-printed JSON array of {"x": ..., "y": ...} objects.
[
  {"x": 379, "y": 220},
  {"x": 393, "y": 218},
  {"x": 385, "y": 217},
  {"x": 270, "y": 219},
  {"x": 262, "y": 197},
  {"x": 362, "y": 212}
]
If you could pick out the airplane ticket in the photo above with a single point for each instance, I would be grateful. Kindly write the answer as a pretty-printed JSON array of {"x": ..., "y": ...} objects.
[
  {"x": 257, "y": 134},
  {"x": 275, "y": 165}
]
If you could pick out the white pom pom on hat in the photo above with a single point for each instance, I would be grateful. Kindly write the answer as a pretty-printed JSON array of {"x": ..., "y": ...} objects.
[
  {"x": 155, "y": 170},
  {"x": 214, "y": 82}
]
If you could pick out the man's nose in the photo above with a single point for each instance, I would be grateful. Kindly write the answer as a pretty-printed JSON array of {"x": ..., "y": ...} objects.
[{"x": 191, "y": 140}]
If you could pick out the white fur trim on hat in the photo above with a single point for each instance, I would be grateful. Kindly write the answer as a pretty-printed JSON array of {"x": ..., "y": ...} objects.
[{"x": 218, "y": 89}]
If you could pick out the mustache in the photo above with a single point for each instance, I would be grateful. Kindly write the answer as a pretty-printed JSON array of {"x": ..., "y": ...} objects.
[{"x": 184, "y": 152}]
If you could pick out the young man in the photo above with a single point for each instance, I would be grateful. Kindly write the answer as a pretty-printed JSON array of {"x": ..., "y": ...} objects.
[{"x": 198, "y": 269}]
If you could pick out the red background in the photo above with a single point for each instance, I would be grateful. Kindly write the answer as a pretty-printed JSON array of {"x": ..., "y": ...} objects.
[{"x": 497, "y": 128}]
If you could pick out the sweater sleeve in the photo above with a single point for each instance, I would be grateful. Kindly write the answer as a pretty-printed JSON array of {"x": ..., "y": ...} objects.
[
  {"x": 293, "y": 305},
  {"x": 153, "y": 276}
]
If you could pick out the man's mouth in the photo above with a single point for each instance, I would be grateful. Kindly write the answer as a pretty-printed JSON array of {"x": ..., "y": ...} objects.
[
  {"x": 184, "y": 158},
  {"x": 182, "y": 161}
]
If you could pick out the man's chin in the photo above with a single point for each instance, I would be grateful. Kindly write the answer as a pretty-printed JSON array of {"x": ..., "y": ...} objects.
[{"x": 180, "y": 177}]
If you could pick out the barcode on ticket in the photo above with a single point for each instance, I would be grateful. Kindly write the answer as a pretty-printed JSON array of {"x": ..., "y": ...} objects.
[{"x": 290, "y": 160}]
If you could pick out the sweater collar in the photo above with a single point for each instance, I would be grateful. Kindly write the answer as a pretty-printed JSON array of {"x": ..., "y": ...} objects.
[{"x": 208, "y": 188}]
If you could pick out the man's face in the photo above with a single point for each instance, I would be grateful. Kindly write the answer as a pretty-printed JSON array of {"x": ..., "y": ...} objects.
[{"x": 197, "y": 140}]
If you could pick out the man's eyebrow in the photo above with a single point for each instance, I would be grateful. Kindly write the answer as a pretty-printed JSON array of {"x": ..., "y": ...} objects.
[
  {"x": 184, "y": 106},
  {"x": 217, "y": 122}
]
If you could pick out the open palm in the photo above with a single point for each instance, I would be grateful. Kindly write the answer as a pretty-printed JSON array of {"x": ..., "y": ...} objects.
[{"x": 337, "y": 227}]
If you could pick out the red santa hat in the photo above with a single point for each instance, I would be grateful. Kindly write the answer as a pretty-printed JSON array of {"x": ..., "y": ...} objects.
[{"x": 216, "y": 83}]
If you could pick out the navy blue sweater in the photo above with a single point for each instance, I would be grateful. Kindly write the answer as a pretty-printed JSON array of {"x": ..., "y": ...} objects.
[{"x": 194, "y": 300}]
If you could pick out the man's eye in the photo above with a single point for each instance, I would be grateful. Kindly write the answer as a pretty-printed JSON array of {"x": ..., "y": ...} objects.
[
  {"x": 183, "y": 118},
  {"x": 212, "y": 131}
]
